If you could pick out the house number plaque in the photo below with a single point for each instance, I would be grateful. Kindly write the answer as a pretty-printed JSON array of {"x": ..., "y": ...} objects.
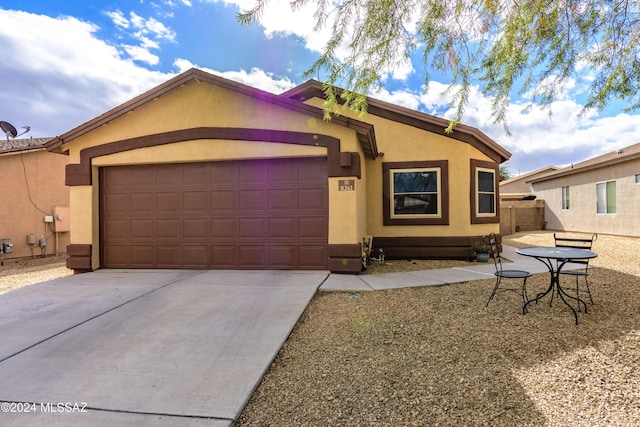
[{"x": 347, "y": 185}]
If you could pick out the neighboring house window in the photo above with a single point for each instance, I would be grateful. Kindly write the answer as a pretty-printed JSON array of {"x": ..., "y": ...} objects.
[
  {"x": 606, "y": 197},
  {"x": 416, "y": 193},
  {"x": 565, "y": 198},
  {"x": 484, "y": 192},
  {"x": 638, "y": 178}
]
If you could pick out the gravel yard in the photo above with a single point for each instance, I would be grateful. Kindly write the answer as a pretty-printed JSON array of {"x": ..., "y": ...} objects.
[{"x": 435, "y": 356}]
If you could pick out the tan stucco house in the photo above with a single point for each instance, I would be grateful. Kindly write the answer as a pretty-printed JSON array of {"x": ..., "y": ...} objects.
[
  {"x": 599, "y": 195},
  {"x": 204, "y": 172},
  {"x": 34, "y": 198}
]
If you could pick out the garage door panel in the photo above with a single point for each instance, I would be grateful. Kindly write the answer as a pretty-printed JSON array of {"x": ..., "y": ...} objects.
[
  {"x": 196, "y": 174},
  {"x": 312, "y": 199},
  {"x": 224, "y": 256},
  {"x": 224, "y": 201},
  {"x": 252, "y": 228},
  {"x": 168, "y": 175},
  {"x": 252, "y": 256},
  {"x": 251, "y": 200},
  {"x": 118, "y": 228},
  {"x": 168, "y": 228},
  {"x": 141, "y": 229},
  {"x": 118, "y": 202},
  {"x": 167, "y": 202},
  {"x": 196, "y": 256},
  {"x": 195, "y": 228},
  {"x": 312, "y": 228},
  {"x": 282, "y": 255},
  {"x": 224, "y": 228},
  {"x": 168, "y": 256},
  {"x": 282, "y": 199},
  {"x": 195, "y": 201},
  {"x": 141, "y": 177},
  {"x": 253, "y": 214},
  {"x": 140, "y": 202},
  {"x": 116, "y": 256},
  {"x": 313, "y": 256},
  {"x": 141, "y": 256},
  {"x": 280, "y": 228}
]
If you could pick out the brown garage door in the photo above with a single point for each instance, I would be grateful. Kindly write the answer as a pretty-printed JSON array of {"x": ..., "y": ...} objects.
[{"x": 253, "y": 214}]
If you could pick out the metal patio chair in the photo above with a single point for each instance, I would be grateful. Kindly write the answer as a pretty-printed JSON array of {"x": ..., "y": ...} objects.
[
  {"x": 578, "y": 243},
  {"x": 494, "y": 252}
]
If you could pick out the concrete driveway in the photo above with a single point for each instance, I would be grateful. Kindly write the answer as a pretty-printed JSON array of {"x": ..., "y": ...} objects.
[{"x": 144, "y": 347}]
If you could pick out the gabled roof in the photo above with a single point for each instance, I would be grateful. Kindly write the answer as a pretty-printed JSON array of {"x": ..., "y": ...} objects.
[
  {"x": 437, "y": 125},
  {"x": 625, "y": 154},
  {"x": 364, "y": 130}
]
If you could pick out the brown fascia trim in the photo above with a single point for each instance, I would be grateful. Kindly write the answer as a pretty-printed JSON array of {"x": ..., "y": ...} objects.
[
  {"x": 364, "y": 130},
  {"x": 571, "y": 171},
  {"x": 80, "y": 174},
  {"x": 406, "y": 116}
]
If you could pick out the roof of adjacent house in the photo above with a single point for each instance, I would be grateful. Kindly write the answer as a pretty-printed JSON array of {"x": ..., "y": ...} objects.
[
  {"x": 625, "y": 154},
  {"x": 11, "y": 146},
  {"x": 525, "y": 176},
  {"x": 293, "y": 100}
]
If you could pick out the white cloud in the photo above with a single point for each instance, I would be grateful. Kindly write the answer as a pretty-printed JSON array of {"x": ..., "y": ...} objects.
[
  {"x": 538, "y": 139},
  {"x": 142, "y": 54},
  {"x": 256, "y": 77},
  {"x": 57, "y": 74}
]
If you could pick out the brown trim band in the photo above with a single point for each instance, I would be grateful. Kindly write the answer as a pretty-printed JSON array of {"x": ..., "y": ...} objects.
[
  {"x": 80, "y": 174},
  {"x": 445, "y": 247},
  {"x": 345, "y": 258},
  {"x": 79, "y": 257}
]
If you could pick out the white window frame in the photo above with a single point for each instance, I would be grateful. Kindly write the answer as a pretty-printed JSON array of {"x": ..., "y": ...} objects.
[
  {"x": 566, "y": 198},
  {"x": 606, "y": 195},
  {"x": 478, "y": 192}
]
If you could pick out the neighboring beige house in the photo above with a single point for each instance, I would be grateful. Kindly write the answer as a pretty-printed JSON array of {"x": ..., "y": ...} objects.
[
  {"x": 519, "y": 187},
  {"x": 32, "y": 187},
  {"x": 599, "y": 195},
  {"x": 204, "y": 172}
]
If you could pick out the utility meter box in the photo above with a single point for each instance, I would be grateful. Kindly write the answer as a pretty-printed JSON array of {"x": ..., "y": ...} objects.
[
  {"x": 6, "y": 246},
  {"x": 61, "y": 219}
]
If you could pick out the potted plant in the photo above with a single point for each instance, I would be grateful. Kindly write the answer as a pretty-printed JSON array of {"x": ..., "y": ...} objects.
[{"x": 481, "y": 250}]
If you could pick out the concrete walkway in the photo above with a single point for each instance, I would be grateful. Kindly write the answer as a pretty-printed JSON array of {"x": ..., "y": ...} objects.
[
  {"x": 375, "y": 282},
  {"x": 144, "y": 348}
]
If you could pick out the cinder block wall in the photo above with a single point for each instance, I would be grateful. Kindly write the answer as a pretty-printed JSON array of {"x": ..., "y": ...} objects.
[{"x": 522, "y": 215}]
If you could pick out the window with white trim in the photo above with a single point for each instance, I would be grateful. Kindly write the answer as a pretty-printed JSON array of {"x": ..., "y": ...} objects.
[
  {"x": 565, "y": 198},
  {"x": 606, "y": 197},
  {"x": 485, "y": 192},
  {"x": 415, "y": 193}
]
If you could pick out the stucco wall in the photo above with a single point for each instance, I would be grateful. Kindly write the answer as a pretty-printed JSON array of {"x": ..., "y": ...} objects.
[
  {"x": 582, "y": 215},
  {"x": 32, "y": 185},
  {"x": 204, "y": 105}
]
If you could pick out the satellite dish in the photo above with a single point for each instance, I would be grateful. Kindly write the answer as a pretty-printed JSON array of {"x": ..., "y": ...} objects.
[{"x": 8, "y": 130}]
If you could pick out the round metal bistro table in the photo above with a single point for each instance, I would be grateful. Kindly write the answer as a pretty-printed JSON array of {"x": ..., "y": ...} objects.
[{"x": 555, "y": 258}]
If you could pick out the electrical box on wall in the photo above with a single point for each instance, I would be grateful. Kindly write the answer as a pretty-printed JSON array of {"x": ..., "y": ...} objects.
[{"x": 62, "y": 222}]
